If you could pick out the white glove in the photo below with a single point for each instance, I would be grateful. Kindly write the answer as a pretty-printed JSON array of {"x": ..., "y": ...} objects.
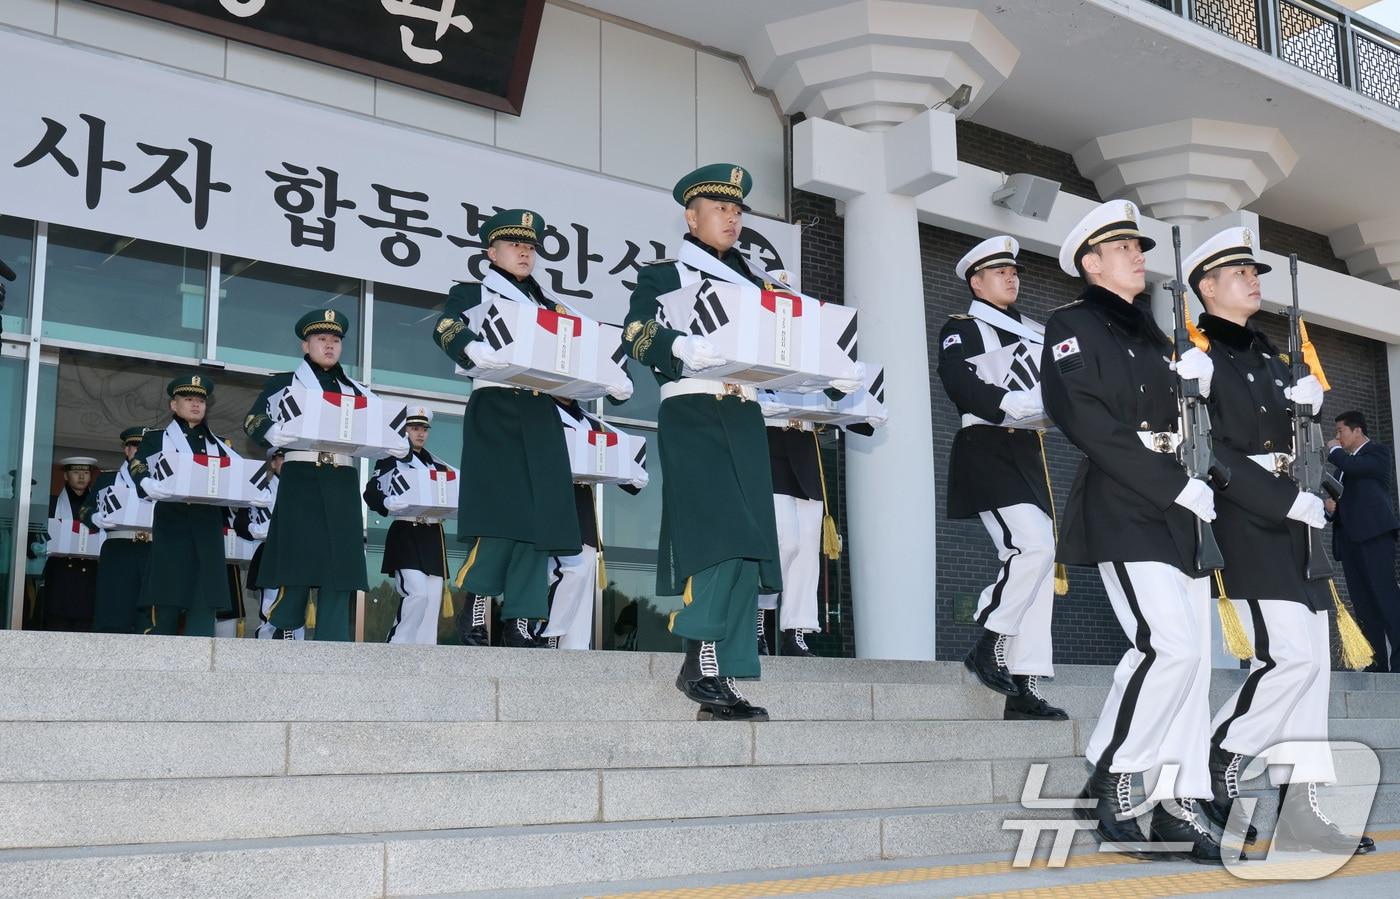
[
  {"x": 855, "y": 382},
  {"x": 259, "y": 528},
  {"x": 100, "y": 521},
  {"x": 401, "y": 452},
  {"x": 395, "y": 503},
  {"x": 1019, "y": 404},
  {"x": 621, "y": 392},
  {"x": 772, "y": 408},
  {"x": 696, "y": 353},
  {"x": 1308, "y": 509},
  {"x": 1195, "y": 365},
  {"x": 39, "y": 548},
  {"x": 484, "y": 357},
  {"x": 638, "y": 483},
  {"x": 1307, "y": 392},
  {"x": 275, "y": 436},
  {"x": 1197, "y": 498},
  {"x": 155, "y": 490}
]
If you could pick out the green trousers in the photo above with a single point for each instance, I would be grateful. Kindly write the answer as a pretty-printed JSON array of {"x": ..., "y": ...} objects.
[
  {"x": 333, "y": 612},
  {"x": 166, "y": 620},
  {"x": 511, "y": 569},
  {"x": 721, "y": 605}
]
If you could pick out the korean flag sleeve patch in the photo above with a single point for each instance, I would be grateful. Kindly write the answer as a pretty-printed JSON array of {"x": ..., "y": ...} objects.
[
  {"x": 951, "y": 340},
  {"x": 1067, "y": 356}
]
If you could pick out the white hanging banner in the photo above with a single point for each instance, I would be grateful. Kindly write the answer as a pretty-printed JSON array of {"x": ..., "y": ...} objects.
[{"x": 130, "y": 148}]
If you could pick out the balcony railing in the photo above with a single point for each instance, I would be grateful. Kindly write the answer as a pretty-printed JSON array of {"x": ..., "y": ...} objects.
[{"x": 1321, "y": 37}]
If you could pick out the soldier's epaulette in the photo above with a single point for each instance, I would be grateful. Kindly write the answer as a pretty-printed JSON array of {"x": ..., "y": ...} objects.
[
  {"x": 661, "y": 262},
  {"x": 961, "y": 316}
]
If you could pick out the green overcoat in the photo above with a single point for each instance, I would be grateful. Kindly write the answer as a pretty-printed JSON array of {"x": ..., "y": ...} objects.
[{"x": 121, "y": 570}]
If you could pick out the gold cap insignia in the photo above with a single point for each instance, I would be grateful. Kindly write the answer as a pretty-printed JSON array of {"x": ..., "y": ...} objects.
[
  {"x": 785, "y": 277},
  {"x": 527, "y": 219},
  {"x": 1248, "y": 238},
  {"x": 330, "y": 315},
  {"x": 194, "y": 382},
  {"x": 1129, "y": 212},
  {"x": 736, "y": 175},
  {"x": 1006, "y": 245}
]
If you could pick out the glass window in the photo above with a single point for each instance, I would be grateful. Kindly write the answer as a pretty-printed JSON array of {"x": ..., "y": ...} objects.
[
  {"x": 634, "y": 617},
  {"x": 12, "y": 419},
  {"x": 405, "y": 354},
  {"x": 645, "y": 399},
  {"x": 259, "y": 303},
  {"x": 382, "y": 600},
  {"x": 46, "y": 479},
  {"x": 17, "y": 251},
  {"x": 123, "y": 292}
]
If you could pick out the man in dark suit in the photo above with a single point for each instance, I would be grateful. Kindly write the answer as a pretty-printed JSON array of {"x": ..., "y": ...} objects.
[{"x": 1363, "y": 534}]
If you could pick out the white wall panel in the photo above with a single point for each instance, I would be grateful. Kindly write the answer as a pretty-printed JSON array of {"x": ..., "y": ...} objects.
[
  {"x": 121, "y": 32},
  {"x": 36, "y": 15},
  {"x": 432, "y": 112},
  {"x": 734, "y": 124},
  {"x": 648, "y": 107},
  {"x": 561, "y": 101},
  {"x": 300, "y": 78}
]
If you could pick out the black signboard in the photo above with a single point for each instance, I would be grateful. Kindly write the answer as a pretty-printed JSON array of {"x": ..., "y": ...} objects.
[{"x": 474, "y": 50}]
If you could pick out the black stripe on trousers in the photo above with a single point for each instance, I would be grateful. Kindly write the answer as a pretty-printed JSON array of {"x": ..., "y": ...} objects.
[
  {"x": 1005, "y": 570},
  {"x": 1251, "y": 683},
  {"x": 1142, "y": 641},
  {"x": 403, "y": 597}
]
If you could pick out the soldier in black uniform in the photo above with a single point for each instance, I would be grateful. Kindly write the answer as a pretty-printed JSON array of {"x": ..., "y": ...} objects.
[
  {"x": 1262, "y": 527},
  {"x": 793, "y": 457},
  {"x": 69, "y": 594},
  {"x": 1110, "y": 385},
  {"x": 252, "y": 523},
  {"x": 126, "y": 553},
  {"x": 187, "y": 574},
  {"x": 998, "y": 473},
  {"x": 415, "y": 553}
]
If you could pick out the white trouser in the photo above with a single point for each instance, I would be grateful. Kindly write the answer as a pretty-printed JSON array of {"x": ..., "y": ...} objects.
[
  {"x": 419, "y": 609},
  {"x": 800, "y": 553},
  {"x": 265, "y": 629},
  {"x": 1285, "y": 697},
  {"x": 1158, "y": 712},
  {"x": 1022, "y": 600},
  {"x": 226, "y": 627},
  {"x": 572, "y": 581}
]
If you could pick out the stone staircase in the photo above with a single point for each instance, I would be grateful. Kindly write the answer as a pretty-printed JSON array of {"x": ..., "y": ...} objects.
[{"x": 152, "y": 766}]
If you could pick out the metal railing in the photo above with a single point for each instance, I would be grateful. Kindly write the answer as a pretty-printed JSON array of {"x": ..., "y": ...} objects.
[{"x": 1324, "y": 38}]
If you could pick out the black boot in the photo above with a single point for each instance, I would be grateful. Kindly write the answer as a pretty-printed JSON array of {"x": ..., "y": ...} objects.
[
  {"x": 742, "y": 710},
  {"x": 762, "y": 633},
  {"x": 1028, "y": 704},
  {"x": 1114, "y": 793},
  {"x": 518, "y": 634},
  {"x": 987, "y": 660},
  {"x": 1176, "y": 821},
  {"x": 1304, "y": 827},
  {"x": 1225, "y": 789},
  {"x": 699, "y": 677},
  {"x": 794, "y": 645},
  {"x": 473, "y": 628}
]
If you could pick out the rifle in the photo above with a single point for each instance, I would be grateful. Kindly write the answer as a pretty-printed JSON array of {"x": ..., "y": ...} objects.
[
  {"x": 1196, "y": 454},
  {"x": 1309, "y": 452}
]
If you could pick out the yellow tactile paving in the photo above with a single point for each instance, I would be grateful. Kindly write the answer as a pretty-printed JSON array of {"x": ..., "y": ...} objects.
[{"x": 1128, "y": 888}]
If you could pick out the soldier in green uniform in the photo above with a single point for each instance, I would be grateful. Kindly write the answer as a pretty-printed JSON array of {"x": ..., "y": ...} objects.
[
  {"x": 316, "y": 537},
  {"x": 718, "y": 541},
  {"x": 186, "y": 571},
  {"x": 126, "y": 553},
  {"x": 517, "y": 494}
]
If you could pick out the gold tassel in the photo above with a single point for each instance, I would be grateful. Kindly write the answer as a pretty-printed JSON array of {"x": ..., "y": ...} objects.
[
  {"x": 1061, "y": 570},
  {"x": 1231, "y": 628},
  {"x": 602, "y": 571},
  {"x": 448, "y": 609},
  {"x": 467, "y": 565},
  {"x": 1357, "y": 652},
  {"x": 1198, "y": 338},
  {"x": 831, "y": 538},
  {"x": 1310, "y": 355},
  {"x": 311, "y": 614},
  {"x": 242, "y": 629}
]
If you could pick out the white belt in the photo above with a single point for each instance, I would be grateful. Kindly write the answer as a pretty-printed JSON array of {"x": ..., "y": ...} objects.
[
  {"x": 478, "y": 383},
  {"x": 418, "y": 520},
  {"x": 1274, "y": 463},
  {"x": 138, "y": 536},
  {"x": 717, "y": 389},
  {"x": 1160, "y": 441},
  {"x": 968, "y": 420},
  {"x": 335, "y": 459},
  {"x": 796, "y": 424}
]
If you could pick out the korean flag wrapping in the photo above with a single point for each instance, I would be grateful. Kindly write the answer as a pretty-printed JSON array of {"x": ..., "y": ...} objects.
[
  {"x": 74, "y": 539},
  {"x": 1015, "y": 366},
  {"x": 605, "y": 457},
  {"x": 329, "y": 422},
  {"x": 564, "y": 355},
  {"x": 865, "y": 406},
  {"x": 226, "y": 480},
  {"x": 236, "y": 549},
  {"x": 430, "y": 492},
  {"x": 124, "y": 508},
  {"x": 774, "y": 339}
]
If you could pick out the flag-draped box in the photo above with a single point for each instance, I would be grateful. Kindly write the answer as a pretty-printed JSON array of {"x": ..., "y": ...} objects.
[
  {"x": 74, "y": 539},
  {"x": 328, "y": 422},
  {"x": 563, "y": 355},
  {"x": 212, "y": 480},
  {"x": 236, "y": 549},
  {"x": 430, "y": 492},
  {"x": 605, "y": 457},
  {"x": 125, "y": 510},
  {"x": 1015, "y": 366},
  {"x": 865, "y": 406},
  {"x": 772, "y": 339}
]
